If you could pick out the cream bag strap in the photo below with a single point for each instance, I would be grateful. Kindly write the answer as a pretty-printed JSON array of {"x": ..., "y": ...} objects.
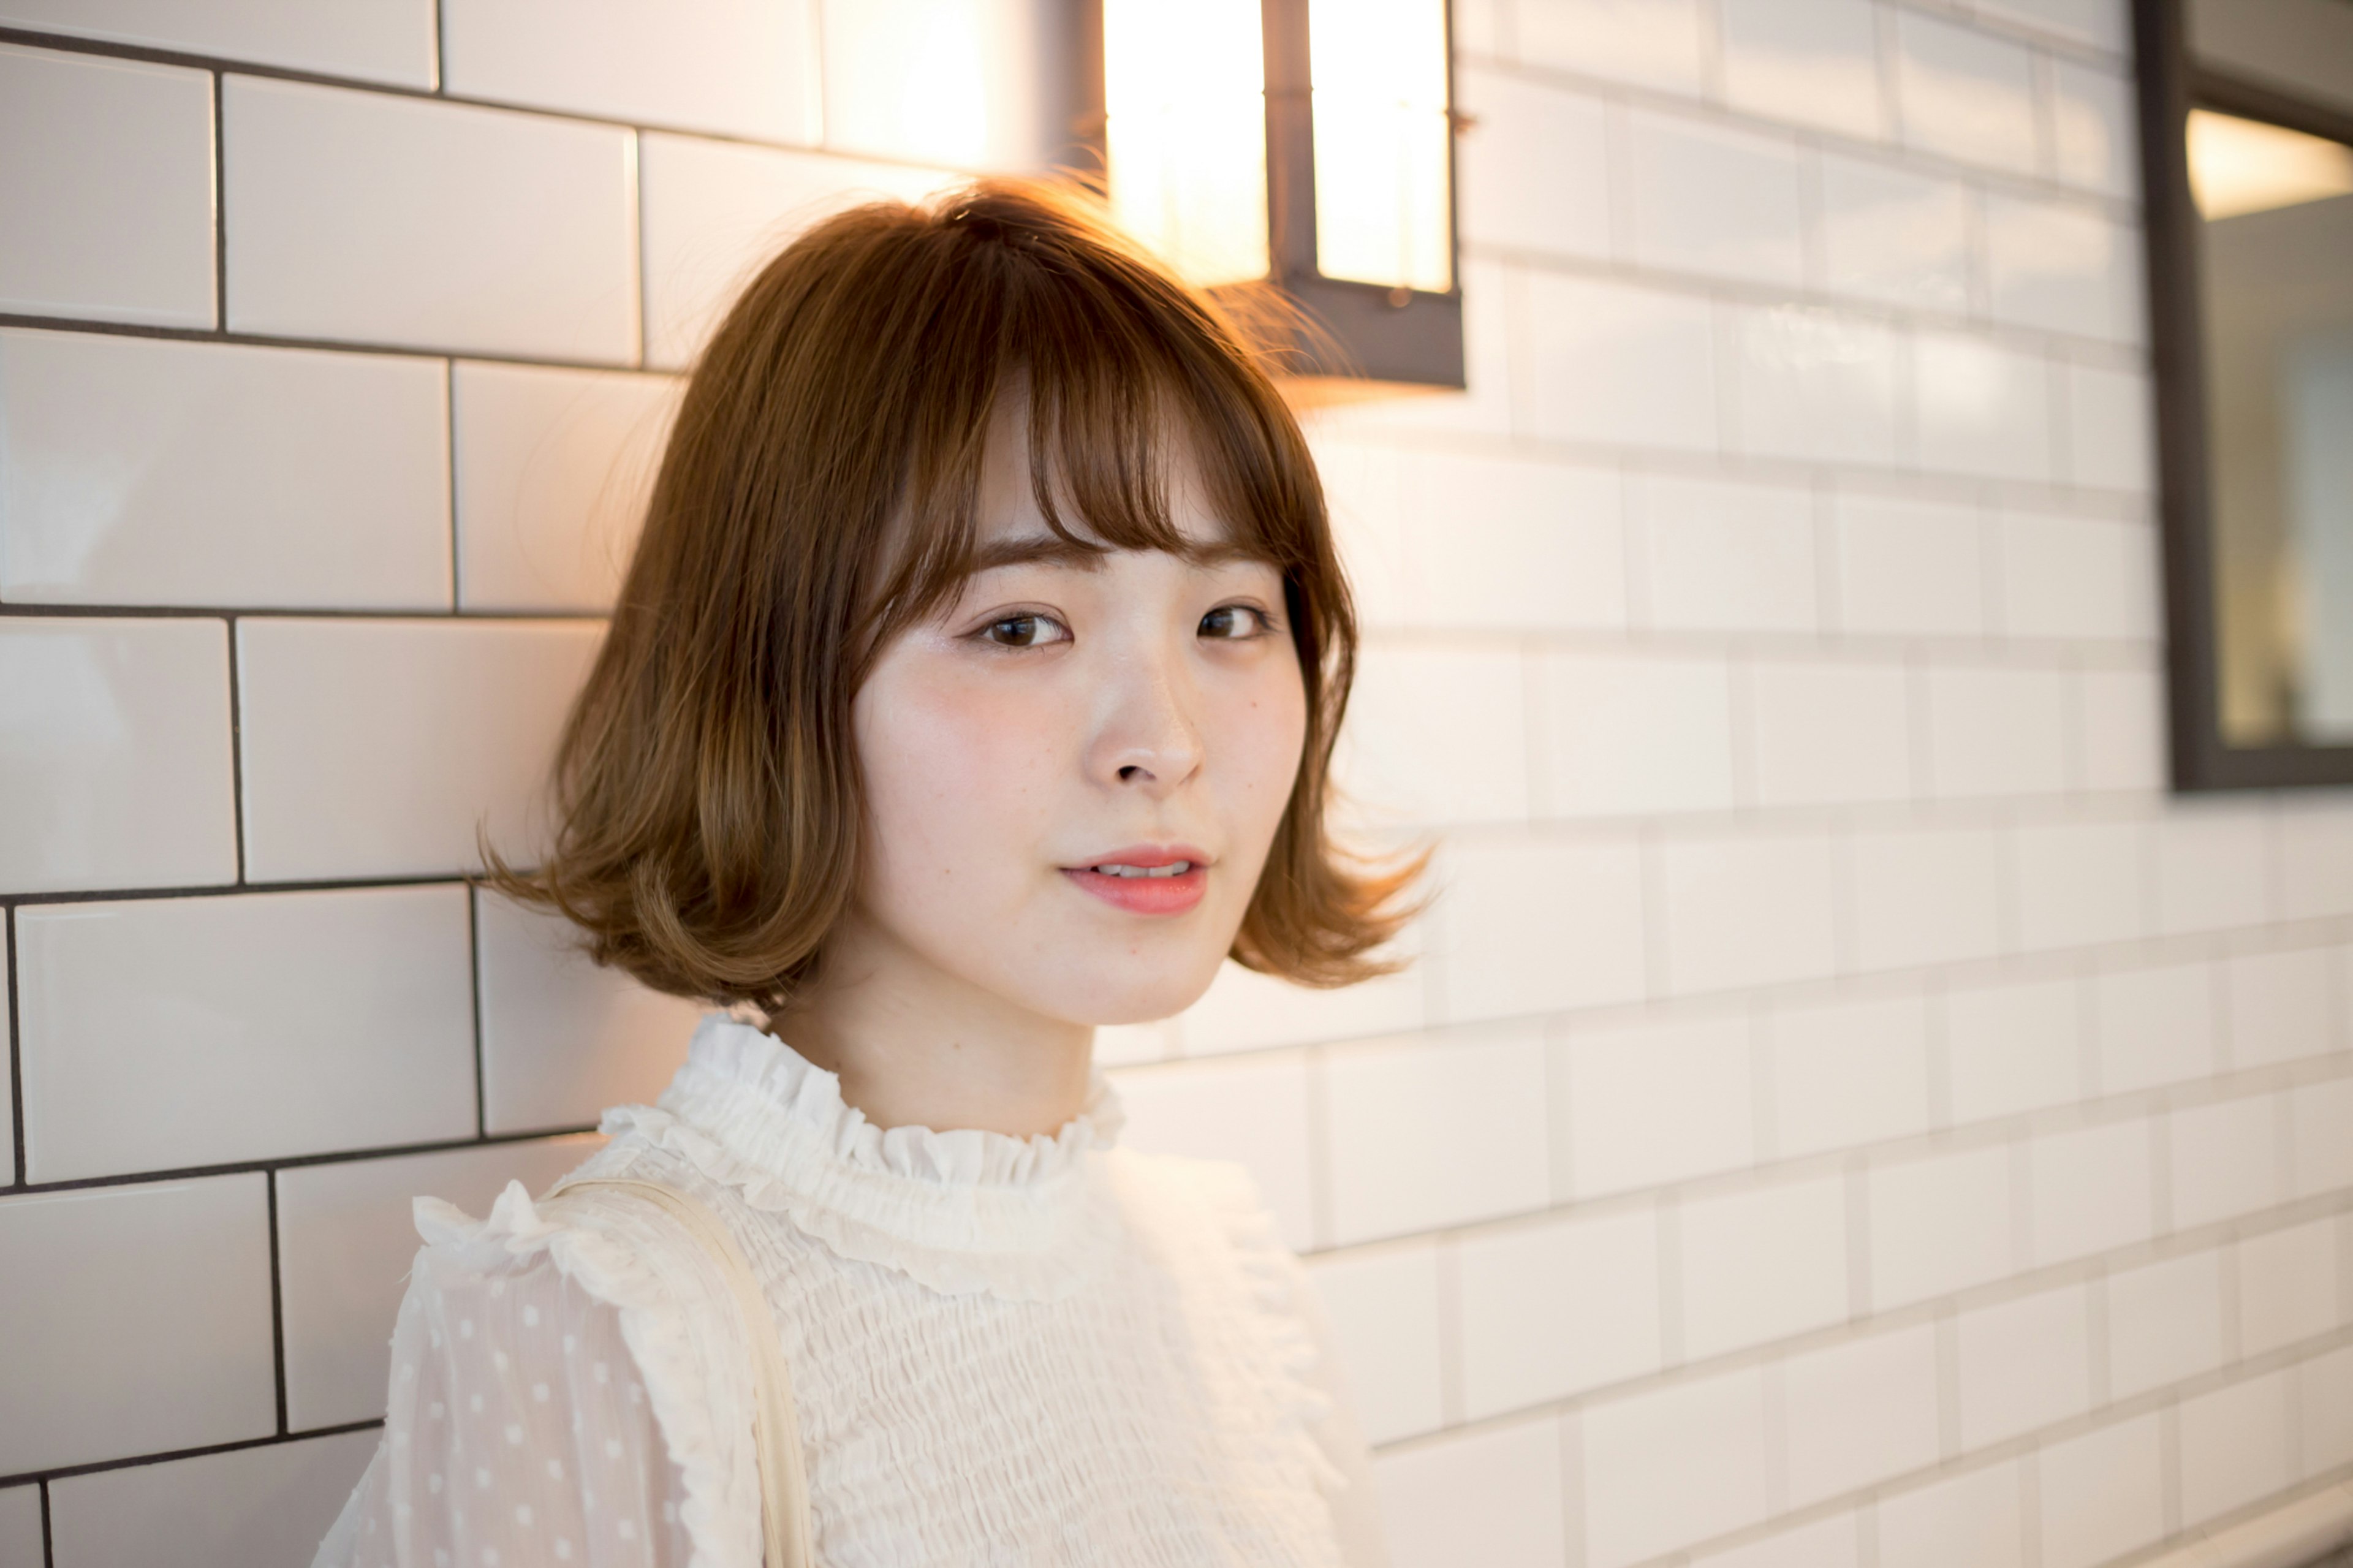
[{"x": 775, "y": 1428}]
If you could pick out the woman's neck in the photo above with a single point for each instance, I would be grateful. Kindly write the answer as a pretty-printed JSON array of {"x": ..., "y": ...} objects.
[{"x": 915, "y": 1045}]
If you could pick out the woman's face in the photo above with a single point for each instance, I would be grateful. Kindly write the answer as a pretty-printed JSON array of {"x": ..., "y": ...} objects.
[{"x": 1074, "y": 773}]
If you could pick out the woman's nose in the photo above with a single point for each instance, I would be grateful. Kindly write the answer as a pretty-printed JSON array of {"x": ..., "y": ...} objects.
[{"x": 1150, "y": 736}]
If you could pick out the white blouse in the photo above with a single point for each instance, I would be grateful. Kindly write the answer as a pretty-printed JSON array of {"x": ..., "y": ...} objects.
[{"x": 1045, "y": 1350}]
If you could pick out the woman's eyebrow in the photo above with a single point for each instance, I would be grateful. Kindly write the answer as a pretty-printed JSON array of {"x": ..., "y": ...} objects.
[{"x": 1056, "y": 549}]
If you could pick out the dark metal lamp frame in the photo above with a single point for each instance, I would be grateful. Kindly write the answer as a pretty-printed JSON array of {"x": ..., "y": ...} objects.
[
  {"x": 2172, "y": 84},
  {"x": 1357, "y": 331}
]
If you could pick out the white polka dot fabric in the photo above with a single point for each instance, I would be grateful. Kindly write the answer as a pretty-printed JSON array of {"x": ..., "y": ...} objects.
[{"x": 1003, "y": 1351}]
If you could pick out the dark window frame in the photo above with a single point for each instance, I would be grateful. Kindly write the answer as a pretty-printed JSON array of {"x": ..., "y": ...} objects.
[{"x": 2170, "y": 83}]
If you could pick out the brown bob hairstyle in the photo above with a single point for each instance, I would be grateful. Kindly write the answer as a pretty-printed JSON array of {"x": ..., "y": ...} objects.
[{"x": 818, "y": 495}]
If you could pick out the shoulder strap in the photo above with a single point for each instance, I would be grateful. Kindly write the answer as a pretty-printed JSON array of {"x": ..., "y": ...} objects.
[{"x": 776, "y": 1433}]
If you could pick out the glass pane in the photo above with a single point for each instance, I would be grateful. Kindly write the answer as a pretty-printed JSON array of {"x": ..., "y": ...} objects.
[
  {"x": 2276, "y": 210},
  {"x": 1185, "y": 109},
  {"x": 1382, "y": 204}
]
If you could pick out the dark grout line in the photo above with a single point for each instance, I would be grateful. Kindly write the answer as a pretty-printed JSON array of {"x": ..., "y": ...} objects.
[
  {"x": 294, "y": 1162},
  {"x": 19, "y": 608},
  {"x": 98, "y": 327},
  {"x": 204, "y": 890},
  {"x": 276, "y": 1304},
  {"x": 99, "y": 1467},
  {"x": 49, "y": 1535},
  {"x": 220, "y": 214}
]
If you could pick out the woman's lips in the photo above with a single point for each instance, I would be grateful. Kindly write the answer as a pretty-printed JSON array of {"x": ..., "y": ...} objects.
[{"x": 1147, "y": 880}]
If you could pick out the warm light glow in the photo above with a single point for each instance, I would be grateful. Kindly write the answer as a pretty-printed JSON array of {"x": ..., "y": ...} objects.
[
  {"x": 1383, "y": 209},
  {"x": 2239, "y": 166},
  {"x": 1184, "y": 102}
]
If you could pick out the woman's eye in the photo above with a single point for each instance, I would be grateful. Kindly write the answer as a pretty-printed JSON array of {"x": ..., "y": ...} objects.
[
  {"x": 1023, "y": 631},
  {"x": 1233, "y": 622}
]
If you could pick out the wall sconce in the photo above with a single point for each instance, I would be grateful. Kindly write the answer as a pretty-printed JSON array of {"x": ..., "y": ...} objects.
[{"x": 1303, "y": 148}]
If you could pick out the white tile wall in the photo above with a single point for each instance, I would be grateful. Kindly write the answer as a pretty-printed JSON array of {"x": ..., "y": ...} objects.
[
  {"x": 2102, "y": 1493},
  {"x": 1425, "y": 1134},
  {"x": 1655, "y": 43},
  {"x": 1383, "y": 1307},
  {"x": 2226, "y": 1159},
  {"x": 1535, "y": 926},
  {"x": 2024, "y": 1363},
  {"x": 2155, "y": 1025},
  {"x": 345, "y": 1238},
  {"x": 2015, "y": 1047},
  {"x": 1762, "y": 1265},
  {"x": 1813, "y": 61},
  {"x": 1746, "y": 910},
  {"x": 2288, "y": 1286},
  {"x": 2324, "y": 1390},
  {"x": 1940, "y": 1222},
  {"x": 1642, "y": 1104},
  {"x": 2235, "y": 1446},
  {"x": 1718, "y": 557},
  {"x": 1924, "y": 895},
  {"x": 961, "y": 83},
  {"x": 1560, "y": 206},
  {"x": 262, "y": 1508},
  {"x": 367, "y": 219},
  {"x": 2281, "y": 1005},
  {"x": 2324, "y": 1137},
  {"x": 1638, "y": 1450},
  {"x": 1859, "y": 1413},
  {"x": 21, "y": 1538},
  {"x": 259, "y": 1027},
  {"x": 142, "y": 471},
  {"x": 1815, "y": 384},
  {"x": 1442, "y": 739},
  {"x": 1492, "y": 1497},
  {"x": 1713, "y": 201},
  {"x": 1825, "y": 1543},
  {"x": 1848, "y": 1072},
  {"x": 1983, "y": 409},
  {"x": 128, "y": 1366},
  {"x": 1249, "y": 1109},
  {"x": 1996, "y": 731},
  {"x": 1964, "y": 93},
  {"x": 1830, "y": 734},
  {"x": 2164, "y": 1323},
  {"x": 116, "y": 157},
  {"x": 1618, "y": 362},
  {"x": 2078, "y": 883},
  {"x": 2093, "y": 1190},
  {"x": 1910, "y": 568},
  {"x": 378, "y": 748},
  {"x": 381, "y": 40},
  {"x": 114, "y": 754},
  {"x": 1557, "y": 1308},
  {"x": 1894, "y": 235},
  {"x": 1632, "y": 734},
  {"x": 1974, "y": 1520}
]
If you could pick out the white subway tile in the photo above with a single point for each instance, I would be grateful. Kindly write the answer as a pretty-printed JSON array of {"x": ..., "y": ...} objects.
[
  {"x": 1997, "y": 732},
  {"x": 1654, "y": 43},
  {"x": 2077, "y": 577},
  {"x": 2324, "y": 1390},
  {"x": 1632, "y": 734},
  {"x": 960, "y": 83},
  {"x": 213, "y": 1006},
  {"x": 1938, "y": 1223},
  {"x": 1764, "y": 1264},
  {"x": 2288, "y": 1286},
  {"x": 1512, "y": 543},
  {"x": 2226, "y": 1159},
  {"x": 1746, "y": 911},
  {"x": 1249, "y": 1110},
  {"x": 2211, "y": 864},
  {"x": 1535, "y": 926},
  {"x": 143, "y": 471},
  {"x": 151, "y": 1305},
  {"x": 1553, "y": 1309},
  {"x": 2155, "y": 1025},
  {"x": 2281, "y": 1007},
  {"x": 1246, "y": 1011},
  {"x": 2101, "y": 24},
  {"x": 1535, "y": 171},
  {"x": 1425, "y": 1132},
  {"x": 1924, "y": 895},
  {"x": 1490, "y": 1496},
  {"x": 1616, "y": 362},
  {"x": 2012, "y": 1048},
  {"x": 1972, "y": 1519},
  {"x": 376, "y": 748},
  {"x": 1965, "y": 94},
  {"x": 1812, "y": 61},
  {"x": 553, "y": 468},
  {"x": 2079, "y": 882},
  {"x": 2235, "y": 1446},
  {"x": 2024, "y": 1363},
  {"x": 114, "y": 754},
  {"x": 1829, "y": 733},
  {"x": 2092, "y": 1191},
  {"x": 22, "y": 1538},
  {"x": 346, "y": 1237},
  {"x": 2110, "y": 442},
  {"x": 1848, "y": 1072},
  {"x": 1857, "y": 1413},
  {"x": 1383, "y": 1307},
  {"x": 715, "y": 213},
  {"x": 742, "y": 68},
  {"x": 1719, "y": 556},
  {"x": 1982, "y": 409},
  {"x": 2102, "y": 1493},
  {"x": 1491, "y": 318},
  {"x": 1638, "y": 1105},
  {"x": 2165, "y": 1323},
  {"x": 2063, "y": 267},
  {"x": 1831, "y": 1542},
  {"x": 261, "y": 1507},
  {"x": 1910, "y": 568},
  {"x": 116, "y": 158},
  {"x": 1894, "y": 235},
  {"x": 2120, "y": 730},
  {"x": 2324, "y": 1136},
  {"x": 1710, "y": 200},
  {"x": 2092, "y": 130},
  {"x": 1641, "y": 1453},
  {"x": 380, "y": 40},
  {"x": 1815, "y": 384},
  {"x": 562, "y": 1039},
  {"x": 373, "y": 219},
  {"x": 2315, "y": 844},
  {"x": 1437, "y": 735}
]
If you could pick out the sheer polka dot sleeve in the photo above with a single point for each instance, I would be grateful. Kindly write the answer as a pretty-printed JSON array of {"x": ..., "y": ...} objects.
[{"x": 517, "y": 1432}]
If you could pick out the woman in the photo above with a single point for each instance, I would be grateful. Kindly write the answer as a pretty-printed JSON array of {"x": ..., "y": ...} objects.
[{"x": 973, "y": 685}]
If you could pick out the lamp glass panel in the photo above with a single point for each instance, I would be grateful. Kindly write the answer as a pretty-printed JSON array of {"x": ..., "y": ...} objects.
[
  {"x": 1185, "y": 132},
  {"x": 1384, "y": 209}
]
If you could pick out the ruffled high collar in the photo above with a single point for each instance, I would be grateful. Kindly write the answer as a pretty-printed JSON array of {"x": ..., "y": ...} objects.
[{"x": 965, "y": 1209}]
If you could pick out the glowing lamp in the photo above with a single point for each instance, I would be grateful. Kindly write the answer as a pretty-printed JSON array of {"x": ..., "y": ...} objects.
[{"x": 1298, "y": 148}]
